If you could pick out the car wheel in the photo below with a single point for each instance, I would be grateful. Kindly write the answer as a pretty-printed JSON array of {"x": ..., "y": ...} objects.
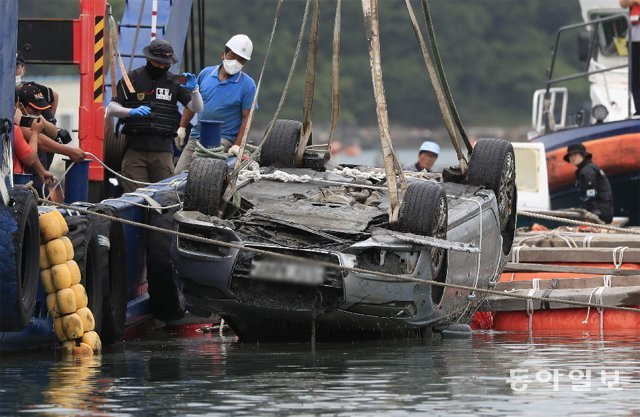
[
  {"x": 493, "y": 166},
  {"x": 279, "y": 148},
  {"x": 205, "y": 182},
  {"x": 424, "y": 212}
]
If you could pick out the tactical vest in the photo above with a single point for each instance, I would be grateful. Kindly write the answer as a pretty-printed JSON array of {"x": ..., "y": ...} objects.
[{"x": 164, "y": 118}]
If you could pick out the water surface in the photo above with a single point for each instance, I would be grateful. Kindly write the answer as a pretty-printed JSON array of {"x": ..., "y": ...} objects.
[{"x": 213, "y": 375}]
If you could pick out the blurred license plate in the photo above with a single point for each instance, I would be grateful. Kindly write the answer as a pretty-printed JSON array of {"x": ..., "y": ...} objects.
[{"x": 287, "y": 272}]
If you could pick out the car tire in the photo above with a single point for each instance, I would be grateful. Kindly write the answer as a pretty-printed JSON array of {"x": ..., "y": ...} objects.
[
  {"x": 19, "y": 249},
  {"x": 114, "y": 146},
  {"x": 493, "y": 166},
  {"x": 111, "y": 245},
  {"x": 93, "y": 267},
  {"x": 279, "y": 148},
  {"x": 167, "y": 301},
  {"x": 424, "y": 212},
  {"x": 205, "y": 182}
]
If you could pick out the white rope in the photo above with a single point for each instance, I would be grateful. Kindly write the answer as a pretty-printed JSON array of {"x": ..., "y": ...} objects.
[
  {"x": 598, "y": 292},
  {"x": 58, "y": 183},
  {"x": 117, "y": 174},
  {"x": 361, "y": 175},
  {"x": 618, "y": 256},
  {"x": 277, "y": 175},
  {"x": 586, "y": 242},
  {"x": 515, "y": 254},
  {"x": 534, "y": 215}
]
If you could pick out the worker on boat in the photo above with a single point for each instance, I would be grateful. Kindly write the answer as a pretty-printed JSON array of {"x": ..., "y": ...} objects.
[
  {"x": 634, "y": 71},
  {"x": 427, "y": 156},
  {"x": 147, "y": 102},
  {"x": 228, "y": 93},
  {"x": 48, "y": 94},
  {"x": 25, "y": 152},
  {"x": 595, "y": 190}
]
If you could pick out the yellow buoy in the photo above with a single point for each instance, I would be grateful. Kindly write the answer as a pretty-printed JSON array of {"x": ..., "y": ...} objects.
[
  {"x": 82, "y": 350},
  {"x": 44, "y": 261},
  {"x": 92, "y": 339},
  {"x": 72, "y": 326},
  {"x": 47, "y": 281},
  {"x": 74, "y": 269},
  {"x": 61, "y": 276},
  {"x": 51, "y": 302},
  {"x": 86, "y": 316},
  {"x": 56, "y": 252},
  {"x": 67, "y": 346},
  {"x": 68, "y": 246},
  {"x": 64, "y": 229},
  {"x": 81, "y": 295},
  {"x": 50, "y": 227},
  {"x": 66, "y": 301},
  {"x": 59, "y": 330}
]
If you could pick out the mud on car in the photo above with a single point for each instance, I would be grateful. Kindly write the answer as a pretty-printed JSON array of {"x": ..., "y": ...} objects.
[{"x": 452, "y": 228}]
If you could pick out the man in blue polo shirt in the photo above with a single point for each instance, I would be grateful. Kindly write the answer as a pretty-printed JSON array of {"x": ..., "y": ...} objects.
[{"x": 227, "y": 93}]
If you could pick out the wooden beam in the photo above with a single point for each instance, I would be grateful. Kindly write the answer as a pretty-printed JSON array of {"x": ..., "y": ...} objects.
[
  {"x": 589, "y": 255},
  {"x": 568, "y": 283},
  {"x": 534, "y": 267},
  {"x": 618, "y": 296}
]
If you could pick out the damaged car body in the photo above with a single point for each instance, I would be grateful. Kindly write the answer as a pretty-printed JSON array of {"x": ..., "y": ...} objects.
[{"x": 307, "y": 244}]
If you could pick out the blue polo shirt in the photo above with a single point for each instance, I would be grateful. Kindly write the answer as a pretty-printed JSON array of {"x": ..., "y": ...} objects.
[{"x": 224, "y": 100}]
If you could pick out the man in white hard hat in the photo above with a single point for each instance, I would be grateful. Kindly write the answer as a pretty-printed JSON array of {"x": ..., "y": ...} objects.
[
  {"x": 427, "y": 156},
  {"x": 228, "y": 93}
]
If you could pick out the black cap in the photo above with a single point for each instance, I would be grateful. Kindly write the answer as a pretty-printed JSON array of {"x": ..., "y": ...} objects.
[
  {"x": 32, "y": 96},
  {"x": 161, "y": 51},
  {"x": 576, "y": 148},
  {"x": 19, "y": 59}
]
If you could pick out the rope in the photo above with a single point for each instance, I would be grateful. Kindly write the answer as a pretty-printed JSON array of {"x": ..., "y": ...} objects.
[
  {"x": 135, "y": 37},
  {"x": 309, "y": 85},
  {"x": 308, "y": 261},
  {"x": 618, "y": 256},
  {"x": 576, "y": 222},
  {"x": 437, "y": 88},
  {"x": 117, "y": 174},
  {"x": 431, "y": 38},
  {"x": 391, "y": 164},
  {"x": 215, "y": 153},
  {"x": 335, "y": 73},
  {"x": 285, "y": 91}
]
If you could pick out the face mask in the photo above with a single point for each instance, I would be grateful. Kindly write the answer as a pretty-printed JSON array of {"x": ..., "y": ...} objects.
[
  {"x": 232, "y": 66},
  {"x": 18, "y": 80},
  {"x": 155, "y": 72}
]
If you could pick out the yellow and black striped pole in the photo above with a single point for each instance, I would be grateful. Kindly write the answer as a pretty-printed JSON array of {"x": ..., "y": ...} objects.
[{"x": 98, "y": 60}]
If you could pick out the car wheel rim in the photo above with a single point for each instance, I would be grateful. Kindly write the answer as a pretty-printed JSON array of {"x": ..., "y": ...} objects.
[
  {"x": 440, "y": 232},
  {"x": 505, "y": 192}
]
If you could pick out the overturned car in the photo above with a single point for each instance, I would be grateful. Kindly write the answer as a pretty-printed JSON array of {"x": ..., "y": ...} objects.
[{"x": 332, "y": 226}]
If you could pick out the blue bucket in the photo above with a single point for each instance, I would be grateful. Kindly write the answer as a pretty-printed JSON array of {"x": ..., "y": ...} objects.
[
  {"x": 21, "y": 179},
  {"x": 210, "y": 133},
  {"x": 76, "y": 182}
]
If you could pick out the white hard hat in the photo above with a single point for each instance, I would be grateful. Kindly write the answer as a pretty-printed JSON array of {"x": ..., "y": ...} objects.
[
  {"x": 429, "y": 146},
  {"x": 241, "y": 45}
]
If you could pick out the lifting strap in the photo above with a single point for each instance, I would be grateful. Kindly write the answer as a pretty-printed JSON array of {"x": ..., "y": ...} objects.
[
  {"x": 392, "y": 167},
  {"x": 113, "y": 33},
  {"x": 437, "y": 87},
  {"x": 230, "y": 189},
  {"x": 309, "y": 85},
  {"x": 431, "y": 38},
  {"x": 335, "y": 75},
  {"x": 285, "y": 91}
]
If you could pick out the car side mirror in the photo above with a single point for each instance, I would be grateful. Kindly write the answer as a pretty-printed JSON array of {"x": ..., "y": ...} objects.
[{"x": 584, "y": 43}]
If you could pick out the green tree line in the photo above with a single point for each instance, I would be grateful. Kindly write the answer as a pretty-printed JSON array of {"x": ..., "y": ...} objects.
[{"x": 495, "y": 53}]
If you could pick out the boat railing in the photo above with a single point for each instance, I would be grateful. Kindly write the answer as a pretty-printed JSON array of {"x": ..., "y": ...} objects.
[{"x": 544, "y": 101}]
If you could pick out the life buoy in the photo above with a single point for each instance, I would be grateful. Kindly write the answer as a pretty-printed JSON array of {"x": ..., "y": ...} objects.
[{"x": 19, "y": 263}]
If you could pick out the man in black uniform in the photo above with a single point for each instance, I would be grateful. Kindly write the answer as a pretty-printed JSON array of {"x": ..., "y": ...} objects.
[
  {"x": 595, "y": 190},
  {"x": 148, "y": 107}
]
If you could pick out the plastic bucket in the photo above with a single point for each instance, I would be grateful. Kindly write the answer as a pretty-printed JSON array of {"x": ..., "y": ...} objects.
[
  {"x": 210, "y": 133},
  {"x": 76, "y": 182},
  {"x": 21, "y": 179}
]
